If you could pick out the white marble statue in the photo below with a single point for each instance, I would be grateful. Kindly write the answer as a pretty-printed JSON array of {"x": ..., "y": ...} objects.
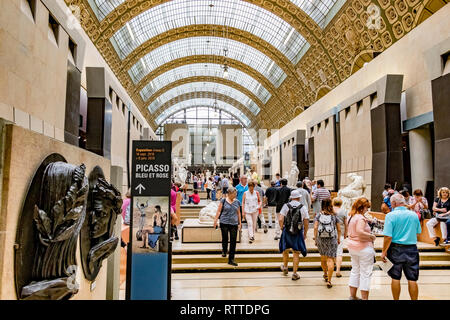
[
  {"x": 179, "y": 171},
  {"x": 293, "y": 175},
  {"x": 248, "y": 174},
  {"x": 182, "y": 174},
  {"x": 352, "y": 191},
  {"x": 208, "y": 213},
  {"x": 207, "y": 175},
  {"x": 214, "y": 166}
]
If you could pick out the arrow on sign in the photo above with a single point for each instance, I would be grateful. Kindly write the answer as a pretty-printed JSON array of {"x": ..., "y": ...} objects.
[{"x": 140, "y": 187}]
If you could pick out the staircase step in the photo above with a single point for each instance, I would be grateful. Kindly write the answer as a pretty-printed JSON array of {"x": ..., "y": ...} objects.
[
  {"x": 275, "y": 266},
  {"x": 270, "y": 257}
]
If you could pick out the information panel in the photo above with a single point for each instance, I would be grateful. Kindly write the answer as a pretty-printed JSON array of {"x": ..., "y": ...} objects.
[{"x": 149, "y": 249}]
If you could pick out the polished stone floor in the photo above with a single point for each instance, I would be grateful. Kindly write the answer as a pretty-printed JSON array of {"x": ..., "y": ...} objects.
[{"x": 433, "y": 284}]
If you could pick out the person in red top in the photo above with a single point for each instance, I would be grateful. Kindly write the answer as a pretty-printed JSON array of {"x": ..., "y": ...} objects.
[{"x": 194, "y": 198}]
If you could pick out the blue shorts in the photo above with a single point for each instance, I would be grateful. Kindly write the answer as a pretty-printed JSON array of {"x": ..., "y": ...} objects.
[{"x": 405, "y": 258}]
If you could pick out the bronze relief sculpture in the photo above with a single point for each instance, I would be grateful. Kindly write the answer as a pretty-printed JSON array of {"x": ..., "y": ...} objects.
[
  {"x": 48, "y": 229},
  {"x": 97, "y": 240}
]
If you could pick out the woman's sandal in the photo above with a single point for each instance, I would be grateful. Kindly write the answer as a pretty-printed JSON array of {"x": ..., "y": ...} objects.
[
  {"x": 329, "y": 285},
  {"x": 325, "y": 277}
]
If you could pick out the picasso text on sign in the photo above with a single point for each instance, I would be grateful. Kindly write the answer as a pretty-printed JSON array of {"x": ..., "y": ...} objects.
[{"x": 144, "y": 171}]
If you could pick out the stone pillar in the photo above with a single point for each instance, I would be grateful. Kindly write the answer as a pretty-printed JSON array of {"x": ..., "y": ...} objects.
[
  {"x": 113, "y": 262},
  {"x": 386, "y": 131},
  {"x": 299, "y": 154},
  {"x": 421, "y": 156},
  {"x": 441, "y": 105},
  {"x": 387, "y": 156},
  {"x": 99, "y": 113},
  {"x": 72, "y": 114},
  {"x": 337, "y": 152},
  {"x": 311, "y": 157}
]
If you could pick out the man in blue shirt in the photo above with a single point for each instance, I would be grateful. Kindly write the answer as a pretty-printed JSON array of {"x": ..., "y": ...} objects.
[
  {"x": 241, "y": 188},
  {"x": 277, "y": 180},
  {"x": 401, "y": 227}
]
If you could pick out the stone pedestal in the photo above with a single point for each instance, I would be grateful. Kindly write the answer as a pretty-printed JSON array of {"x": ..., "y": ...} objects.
[{"x": 195, "y": 232}]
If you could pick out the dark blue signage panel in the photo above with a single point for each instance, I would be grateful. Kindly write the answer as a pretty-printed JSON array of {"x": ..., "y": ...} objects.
[{"x": 149, "y": 249}]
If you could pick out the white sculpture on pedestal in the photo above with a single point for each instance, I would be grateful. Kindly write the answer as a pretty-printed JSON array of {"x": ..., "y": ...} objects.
[
  {"x": 208, "y": 213},
  {"x": 179, "y": 171},
  {"x": 293, "y": 175},
  {"x": 352, "y": 191},
  {"x": 215, "y": 166},
  {"x": 182, "y": 174}
]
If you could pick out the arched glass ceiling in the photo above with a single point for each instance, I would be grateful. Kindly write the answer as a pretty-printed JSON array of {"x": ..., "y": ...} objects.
[
  {"x": 102, "y": 8},
  {"x": 204, "y": 86},
  {"x": 233, "y": 13},
  {"x": 205, "y": 69},
  {"x": 203, "y": 102},
  {"x": 317, "y": 10},
  {"x": 208, "y": 46}
]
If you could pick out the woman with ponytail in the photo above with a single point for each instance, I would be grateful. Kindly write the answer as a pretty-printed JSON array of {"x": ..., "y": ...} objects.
[{"x": 360, "y": 246}]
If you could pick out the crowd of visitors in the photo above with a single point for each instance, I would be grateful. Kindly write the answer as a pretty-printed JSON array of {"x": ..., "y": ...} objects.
[{"x": 242, "y": 199}]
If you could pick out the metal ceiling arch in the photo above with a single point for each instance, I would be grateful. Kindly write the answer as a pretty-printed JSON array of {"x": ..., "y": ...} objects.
[
  {"x": 230, "y": 13},
  {"x": 210, "y": 70},
  {"x": 170, "y": 112},
  {"x": 210, "y": 30},
  {"x": 207, "y": 95},
  {"x": 205, "y": 59},
  {"x": 214, "y": 80},
  {"x": 286, "y": 10}
]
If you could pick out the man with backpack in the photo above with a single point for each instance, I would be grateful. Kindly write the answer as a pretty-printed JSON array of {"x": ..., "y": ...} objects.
[
  {"x": 283, "y": 196},
  {"x": 294, "y": 221}
]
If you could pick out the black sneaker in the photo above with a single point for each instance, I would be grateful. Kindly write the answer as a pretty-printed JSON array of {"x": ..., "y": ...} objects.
[
  {"x": 224, "y": 254},
  {"x": 233, "y": 263},
  {"x": 437, "y": 241}
]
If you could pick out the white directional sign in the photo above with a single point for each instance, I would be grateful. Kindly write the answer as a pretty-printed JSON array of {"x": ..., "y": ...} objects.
[{"x": 140, "y": 187}]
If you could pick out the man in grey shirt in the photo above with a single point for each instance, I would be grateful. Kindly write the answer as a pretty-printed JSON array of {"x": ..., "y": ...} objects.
[{"x": 305, "y": 199}]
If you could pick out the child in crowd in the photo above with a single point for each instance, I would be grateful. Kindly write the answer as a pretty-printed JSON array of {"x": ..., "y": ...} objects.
[{"x": 194, "y": 198}]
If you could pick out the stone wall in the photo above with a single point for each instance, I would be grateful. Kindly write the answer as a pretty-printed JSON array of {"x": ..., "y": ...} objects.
[
  {"x": 356, "y": 143},
  {"x": 22, "y": 152}
]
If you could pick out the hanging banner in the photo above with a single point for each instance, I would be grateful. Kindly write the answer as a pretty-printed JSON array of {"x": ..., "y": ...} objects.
[{"x": 149, "y": 249}]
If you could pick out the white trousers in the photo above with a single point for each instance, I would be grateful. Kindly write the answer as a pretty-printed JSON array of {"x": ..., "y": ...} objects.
[
  {"x": 261, "y": 217},
  {"x": 251, "y": 223},
  {"x": 432, "y": 223},
  {"x": 362, "y": 267},
  {"x": 271, "y": 214}
]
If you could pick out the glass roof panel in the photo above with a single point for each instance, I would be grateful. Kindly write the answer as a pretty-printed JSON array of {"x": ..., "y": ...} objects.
[
  {"x": 233, "y": 13},
  {"x": 203, "y": 102},
  {"x": 316, "y": 9},
  {"x": 205, "y": 69},
  {"x": 102, "y": 8},
  {"x": 208, "y": 46},
  {"x": 204, "y": 86}
]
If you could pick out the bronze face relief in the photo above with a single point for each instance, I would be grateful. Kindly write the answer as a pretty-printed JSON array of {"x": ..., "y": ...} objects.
[
  {"x": 46, "y": 240},
  {"x": 97, "y": 240}
]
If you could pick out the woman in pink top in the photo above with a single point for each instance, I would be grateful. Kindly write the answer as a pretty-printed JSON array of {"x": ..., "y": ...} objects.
[
  {"x": 360, "y": 245},
  {"x": 125, "y": 205}
]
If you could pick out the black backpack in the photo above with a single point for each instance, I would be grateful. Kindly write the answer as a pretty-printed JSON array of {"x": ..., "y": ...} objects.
[{"x": 294, "y": 220}]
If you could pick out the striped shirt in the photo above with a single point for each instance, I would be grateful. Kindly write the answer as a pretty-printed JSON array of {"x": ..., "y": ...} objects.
[{"x": 320, "y": 194}]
